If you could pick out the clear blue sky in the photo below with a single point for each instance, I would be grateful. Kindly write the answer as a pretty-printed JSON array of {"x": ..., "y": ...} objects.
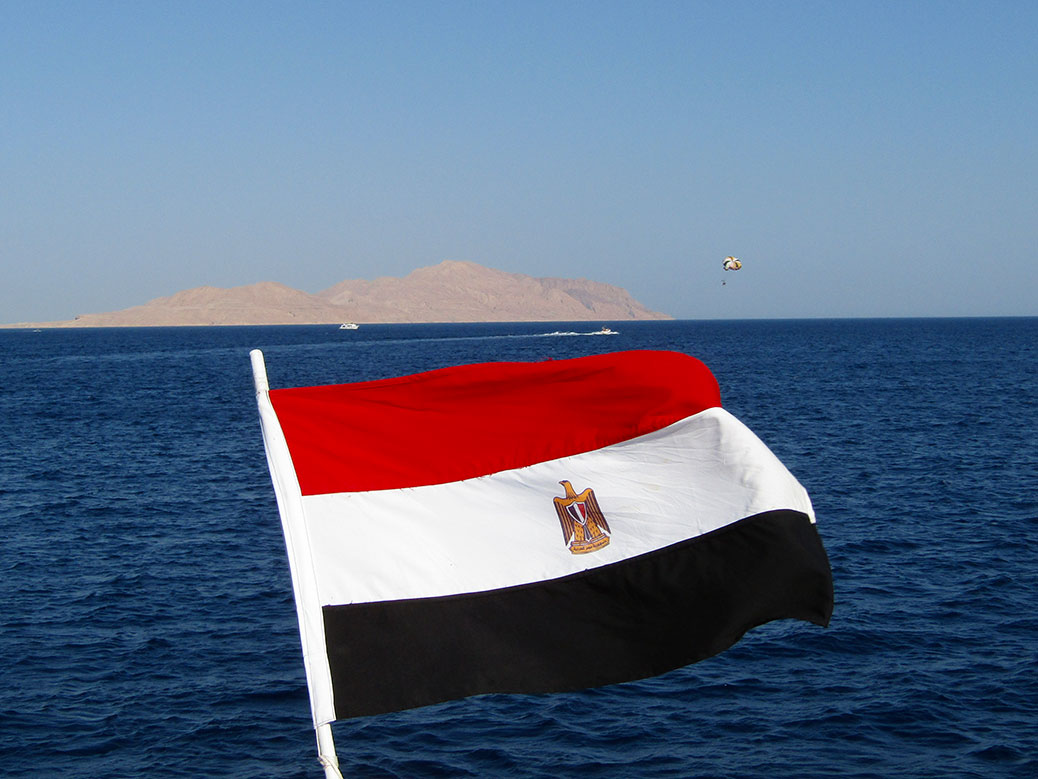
[{"x": 862, "y": 158}]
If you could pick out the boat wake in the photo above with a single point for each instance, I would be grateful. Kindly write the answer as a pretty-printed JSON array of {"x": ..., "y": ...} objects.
[
  {"x": 559, "y": 333},
  {"x": 482, "y": 337}
]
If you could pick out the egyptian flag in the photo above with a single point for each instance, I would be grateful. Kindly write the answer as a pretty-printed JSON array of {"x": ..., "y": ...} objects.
[{"x": 529, "y": 528}]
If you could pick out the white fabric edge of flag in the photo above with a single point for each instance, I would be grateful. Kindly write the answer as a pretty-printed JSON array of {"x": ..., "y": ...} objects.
[{"x": 297, "y": 544}]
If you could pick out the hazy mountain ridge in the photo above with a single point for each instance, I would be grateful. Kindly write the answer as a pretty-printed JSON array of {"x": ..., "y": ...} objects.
[{"x": 452, "y": 291}]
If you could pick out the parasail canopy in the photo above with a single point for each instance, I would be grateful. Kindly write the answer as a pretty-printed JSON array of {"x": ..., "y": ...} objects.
[{"x": 732, "y": 263}]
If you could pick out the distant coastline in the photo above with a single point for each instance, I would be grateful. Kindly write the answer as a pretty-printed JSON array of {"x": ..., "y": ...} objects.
[{"x": 452, "y": 291}]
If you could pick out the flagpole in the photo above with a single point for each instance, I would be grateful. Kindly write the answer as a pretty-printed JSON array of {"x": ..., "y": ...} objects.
[
  {"x": 325, "y": 743},
  {"x": 326, "y": 752}
]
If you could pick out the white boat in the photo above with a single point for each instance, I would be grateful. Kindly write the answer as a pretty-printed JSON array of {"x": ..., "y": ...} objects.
[
  {"x": 606, "y": 331},
  {"x": 348, "y": 326}
]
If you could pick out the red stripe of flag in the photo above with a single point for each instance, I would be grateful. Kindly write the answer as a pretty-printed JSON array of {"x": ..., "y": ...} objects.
[{"x": 470, "y": 420}]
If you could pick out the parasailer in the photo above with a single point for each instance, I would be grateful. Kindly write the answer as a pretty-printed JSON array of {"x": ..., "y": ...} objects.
[{"x": 730, "y": 263}]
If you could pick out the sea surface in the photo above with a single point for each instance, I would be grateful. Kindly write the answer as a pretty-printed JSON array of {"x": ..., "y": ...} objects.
[{"x": 146, "y": 618}]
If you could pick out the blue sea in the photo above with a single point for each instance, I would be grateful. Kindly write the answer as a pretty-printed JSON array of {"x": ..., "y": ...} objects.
[{"x": 147, "y": 624}]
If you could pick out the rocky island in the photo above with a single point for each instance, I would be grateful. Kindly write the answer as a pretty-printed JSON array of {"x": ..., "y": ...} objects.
[{"x": 452, "y": 291}]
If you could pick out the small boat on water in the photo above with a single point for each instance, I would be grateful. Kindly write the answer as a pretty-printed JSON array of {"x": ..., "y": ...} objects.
[
  {"x": 606, "y": 331},
  {"x": 349, "y": 326}
]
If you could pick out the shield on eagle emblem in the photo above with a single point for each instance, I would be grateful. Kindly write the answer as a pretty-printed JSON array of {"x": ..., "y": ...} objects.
[{"x": 584, "y": 527}]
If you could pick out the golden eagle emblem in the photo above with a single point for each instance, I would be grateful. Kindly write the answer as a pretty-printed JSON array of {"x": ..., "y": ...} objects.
[{"x": 584, "y": 527}]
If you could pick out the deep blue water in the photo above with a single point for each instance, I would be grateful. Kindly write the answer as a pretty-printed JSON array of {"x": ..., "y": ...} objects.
[{"x": 147, "y": 624}]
